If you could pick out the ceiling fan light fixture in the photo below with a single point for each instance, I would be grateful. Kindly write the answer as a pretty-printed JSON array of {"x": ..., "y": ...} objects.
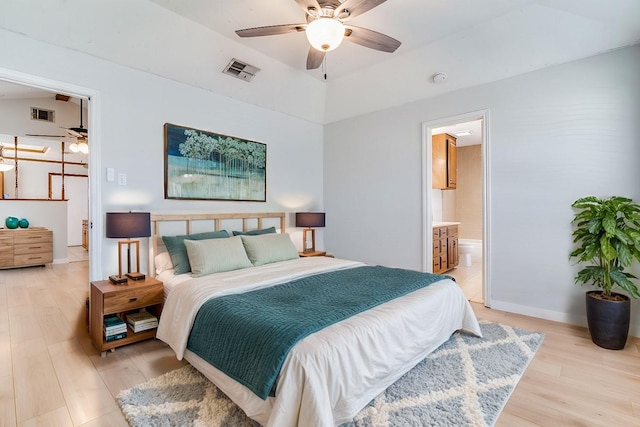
[
  {"x": 80, "y": 146},
  {"x": 325, "y": 34}
]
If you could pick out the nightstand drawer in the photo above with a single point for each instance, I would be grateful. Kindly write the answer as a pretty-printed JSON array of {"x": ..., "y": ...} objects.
[
  {"x": 115, "y": 302},
  {"x": 33, "y": 248}
]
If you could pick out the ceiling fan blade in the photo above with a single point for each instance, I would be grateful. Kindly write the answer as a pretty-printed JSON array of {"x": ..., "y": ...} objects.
[
  {"x": 351, "y": 8},
  {"x": 307, "y": 4},
  {"x": 271, "y": 30},
  {"x": 45, "y": 136},
  {"x": 314, "y": 58},
  {"x": 77, "y": 132},
  {"x": 371, "y": 39}
]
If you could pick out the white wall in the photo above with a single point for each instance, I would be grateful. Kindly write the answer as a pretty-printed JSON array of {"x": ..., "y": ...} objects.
[
  {"x": 555, "y": 135},
  {"x": 128, "y": 136}
]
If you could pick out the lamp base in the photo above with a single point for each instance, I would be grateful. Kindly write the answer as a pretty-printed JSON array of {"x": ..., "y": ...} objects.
[
  {"x": 136, "y": 276},
  {"x": 118, "y": 280}
]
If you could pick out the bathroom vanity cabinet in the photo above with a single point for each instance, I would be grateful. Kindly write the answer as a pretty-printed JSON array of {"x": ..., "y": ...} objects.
[{"x": 445, "y": 248}]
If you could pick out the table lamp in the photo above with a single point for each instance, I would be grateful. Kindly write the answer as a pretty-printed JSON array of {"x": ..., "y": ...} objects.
[
  {"x": 127, "y": 225},
  {"x": 309, "y": 220}
]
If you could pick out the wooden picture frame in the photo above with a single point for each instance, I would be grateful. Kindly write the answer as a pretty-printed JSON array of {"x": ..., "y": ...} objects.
[{"x": 202, "y": 165}]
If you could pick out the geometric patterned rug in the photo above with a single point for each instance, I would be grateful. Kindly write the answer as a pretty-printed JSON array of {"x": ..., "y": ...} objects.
[{"x": 465, "y": 382}]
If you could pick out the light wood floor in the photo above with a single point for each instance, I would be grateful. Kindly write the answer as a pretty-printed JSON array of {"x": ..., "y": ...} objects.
[{"x": 51, "y": 375}]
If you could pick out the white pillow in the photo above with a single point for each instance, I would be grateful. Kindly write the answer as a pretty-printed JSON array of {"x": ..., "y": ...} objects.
[
  {"x": 268, "y": 248},
  {"x": 216, "y": 255},
  {"x": 163, "y": 262}
]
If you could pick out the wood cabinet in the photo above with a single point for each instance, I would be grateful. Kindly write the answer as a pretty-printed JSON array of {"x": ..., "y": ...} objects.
[
  {"x": 444, "y": 162},
  {"x": 107, "y": 298},
  {"x": 25, "y": 247},
  {"x": 445, "y": 248},
  {"x": 85, "y": 234}
]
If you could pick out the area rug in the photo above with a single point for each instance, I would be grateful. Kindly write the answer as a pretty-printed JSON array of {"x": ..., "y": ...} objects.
[{"x": 465, "y": 382}]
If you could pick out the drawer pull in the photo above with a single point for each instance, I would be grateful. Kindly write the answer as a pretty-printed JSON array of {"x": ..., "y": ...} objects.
[{"x": 133, "y": 299}]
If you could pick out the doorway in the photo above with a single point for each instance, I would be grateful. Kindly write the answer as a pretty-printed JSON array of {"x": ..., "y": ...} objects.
[
  {"x": 36, "y": 83},
  {"x": 464, "y": 204}
]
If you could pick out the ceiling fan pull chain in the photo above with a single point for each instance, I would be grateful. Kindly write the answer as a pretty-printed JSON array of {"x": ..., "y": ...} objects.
[{"x": 324, "y": 66}]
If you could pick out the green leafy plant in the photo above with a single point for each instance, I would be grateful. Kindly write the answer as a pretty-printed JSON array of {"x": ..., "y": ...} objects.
[{"x": 608, "y": 237}]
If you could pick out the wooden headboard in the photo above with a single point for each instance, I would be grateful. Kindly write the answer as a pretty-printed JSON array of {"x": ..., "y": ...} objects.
[{"x": 187, "y": 222}]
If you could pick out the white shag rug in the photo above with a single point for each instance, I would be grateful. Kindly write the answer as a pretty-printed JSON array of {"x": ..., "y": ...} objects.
[{"x": 465, "y": 382}]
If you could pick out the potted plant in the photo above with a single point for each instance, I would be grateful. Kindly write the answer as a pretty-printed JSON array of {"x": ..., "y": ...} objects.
[{"x": 607, "y": 234}]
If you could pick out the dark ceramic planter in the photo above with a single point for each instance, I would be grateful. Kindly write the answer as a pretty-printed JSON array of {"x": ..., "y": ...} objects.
[{"x": 608, "y": 321}]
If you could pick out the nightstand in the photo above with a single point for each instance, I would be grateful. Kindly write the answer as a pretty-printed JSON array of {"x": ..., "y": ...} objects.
[
  {"x": 314, "y": 253},
  {"x": 107, "y": 298}
]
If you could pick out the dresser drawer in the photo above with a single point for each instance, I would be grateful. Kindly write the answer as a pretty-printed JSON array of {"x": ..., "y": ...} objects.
[
  {"x": 33, "y": 259},
  {"x": 6, "y": 241},
  {"x": 115, "y": 302},
  {"x": 33, "y": 237},
  {"x": 6, "y": 257},
  {"x": 33, "y": 248}
]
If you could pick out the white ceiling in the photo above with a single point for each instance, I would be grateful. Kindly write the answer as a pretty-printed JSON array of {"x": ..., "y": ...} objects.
[
  {"x": 556, "y": 27},
  {"x": 474, "y": 42}
]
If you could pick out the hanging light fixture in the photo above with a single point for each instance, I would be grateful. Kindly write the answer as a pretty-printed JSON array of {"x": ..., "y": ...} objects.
[
  {"x": 4, "y": 164},
  {"x": 80, "y": 146},
  {"x": 325, "y": 33}
]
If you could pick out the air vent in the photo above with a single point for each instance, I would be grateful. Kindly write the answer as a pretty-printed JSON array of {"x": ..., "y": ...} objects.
[
  {"x": 241, "y": 70},
  {"x": 43, "y": 115}
]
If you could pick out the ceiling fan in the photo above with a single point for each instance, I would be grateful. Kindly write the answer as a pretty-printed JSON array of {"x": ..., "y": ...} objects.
[
  {"x": 326, "y": 28},
  {"x": 80, "y": 132}
]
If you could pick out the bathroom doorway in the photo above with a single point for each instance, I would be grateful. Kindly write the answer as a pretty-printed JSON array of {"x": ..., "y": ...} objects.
[{"x": 462, "y": 204}]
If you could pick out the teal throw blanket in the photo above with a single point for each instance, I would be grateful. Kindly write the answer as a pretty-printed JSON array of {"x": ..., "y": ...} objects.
[{"x": 247, "y": 336}]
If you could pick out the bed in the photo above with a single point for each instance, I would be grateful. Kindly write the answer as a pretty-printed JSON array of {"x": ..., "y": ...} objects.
[{"x": 330, "y": 374}]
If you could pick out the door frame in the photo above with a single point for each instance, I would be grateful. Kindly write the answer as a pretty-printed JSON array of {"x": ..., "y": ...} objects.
[
  {"x": 427, "y": 202},
  {"x": 93, "y": 161}
]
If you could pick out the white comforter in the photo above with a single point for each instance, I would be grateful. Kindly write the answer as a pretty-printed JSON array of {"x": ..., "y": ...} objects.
[{"x": 329, "y": 376}]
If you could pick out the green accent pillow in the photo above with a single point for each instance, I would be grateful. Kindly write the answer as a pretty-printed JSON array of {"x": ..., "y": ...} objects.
[
  {"x": 269, "y": 230},
  {"x": 268, "y": 248},
  {"x": 178, "y": 252},
  {"x": 216, "y": 255}
]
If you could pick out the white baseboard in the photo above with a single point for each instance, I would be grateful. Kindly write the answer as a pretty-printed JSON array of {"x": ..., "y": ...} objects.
[
  {"x": 61, "y": 261},
  {"x": 556, "y": 316}
]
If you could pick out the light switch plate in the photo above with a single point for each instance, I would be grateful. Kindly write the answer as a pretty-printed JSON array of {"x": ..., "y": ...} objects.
[{"x": 111, "y": 175}]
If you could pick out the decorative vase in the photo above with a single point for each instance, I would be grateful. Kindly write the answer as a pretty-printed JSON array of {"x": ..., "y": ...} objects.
[
  {"x": 608, "y": 320},
  {"x": 11, "y": 222},
  {"x": 23, "y": 223}
]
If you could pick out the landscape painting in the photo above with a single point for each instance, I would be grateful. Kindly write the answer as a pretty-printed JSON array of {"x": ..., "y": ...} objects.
[{"x": 203, "y": 165}]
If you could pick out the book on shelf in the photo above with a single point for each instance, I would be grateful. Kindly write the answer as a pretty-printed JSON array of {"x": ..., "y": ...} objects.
[
  {"x": 115, "y": 337},
  {"x": 112, "y": 320},
  {"x": 143, "y": 327},
  {"x": 141, "y": 317}
]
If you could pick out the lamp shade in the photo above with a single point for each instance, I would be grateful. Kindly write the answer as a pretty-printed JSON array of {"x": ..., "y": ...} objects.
[
  {"x": 310, "y": 219},
  {"x": 124, "y": 225}
]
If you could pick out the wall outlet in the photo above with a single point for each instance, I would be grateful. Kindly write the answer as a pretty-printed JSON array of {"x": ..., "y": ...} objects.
[{"x": 122, "y": 178}]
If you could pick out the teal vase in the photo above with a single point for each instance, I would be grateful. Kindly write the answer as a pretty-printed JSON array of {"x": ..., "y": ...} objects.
[
  {"x": 23, "y": 223},
  {"x": 11, "y": 222}
]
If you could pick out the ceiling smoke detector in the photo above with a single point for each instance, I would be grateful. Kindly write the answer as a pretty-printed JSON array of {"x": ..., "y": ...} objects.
[{"x": 439, "y": 78}]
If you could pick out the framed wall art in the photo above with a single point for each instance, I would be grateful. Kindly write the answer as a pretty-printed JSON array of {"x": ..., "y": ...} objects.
[{"x": 201, "y": 165}]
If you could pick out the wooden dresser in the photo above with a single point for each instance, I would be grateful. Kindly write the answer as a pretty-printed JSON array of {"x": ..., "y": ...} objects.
[{"x": 25, "y": 247}]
